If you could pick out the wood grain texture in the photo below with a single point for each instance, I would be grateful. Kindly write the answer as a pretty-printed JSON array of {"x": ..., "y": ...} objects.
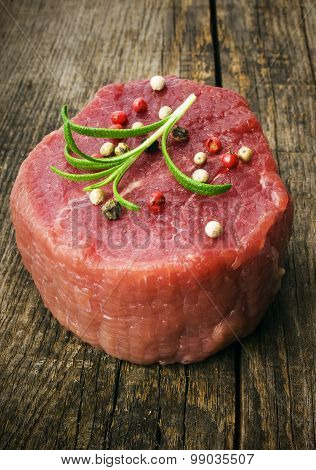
[
  {"x": 55, "y": 391},
  {"x": 266, "y": 54}
]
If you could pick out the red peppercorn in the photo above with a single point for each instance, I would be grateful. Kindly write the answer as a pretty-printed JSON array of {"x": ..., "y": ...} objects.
[
  {"x": 213, "y": 144},
  {"x": 156, "y": 202},
  {"x": 140, "y": 105},
  {"x": 230, "y": 160},
  {"x": 119, "y": 117},
  {"x": 116, "y": 126}
]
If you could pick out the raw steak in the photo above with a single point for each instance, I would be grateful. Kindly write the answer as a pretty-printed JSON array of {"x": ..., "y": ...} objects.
[{"x": 153, "y": 287}]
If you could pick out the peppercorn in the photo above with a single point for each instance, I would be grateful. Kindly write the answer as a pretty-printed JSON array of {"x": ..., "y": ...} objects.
[
  {"x": 179, "y": 134},
  {"x": 200, "y": 158},
  {"x": 121, "y": 148},
  {"x": 137, "y": 125},
  {"x": 230, "y": 160},
  {"x": 153, "y": 147},
  {"x": 164, "y": 112},
  {"x": 200, "y": 175},
  {"x": 96, "y": 196},
  {"x": 118, "y": 117},
  {"x": 107, "y": 149},
  {"x": 213, "y": 144},
  {"x": 245, "y": 154},
  {"x": 157, "y": 82},
  {"x": 112, "y": 209},
  {"x": 139, "y": 105},
  {"x": 156, "y": 202},
  {"x": 213, "y": 229}
]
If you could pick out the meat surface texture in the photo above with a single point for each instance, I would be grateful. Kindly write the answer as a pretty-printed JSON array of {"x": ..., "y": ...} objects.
[{"x": 153, "y": 287}]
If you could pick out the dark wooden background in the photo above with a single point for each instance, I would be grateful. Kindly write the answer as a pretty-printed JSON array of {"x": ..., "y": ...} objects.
[{"x": 55, "y": 391}]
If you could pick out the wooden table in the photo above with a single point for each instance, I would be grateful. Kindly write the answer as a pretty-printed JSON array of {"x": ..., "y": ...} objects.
[{"x": 55, "y": 391}]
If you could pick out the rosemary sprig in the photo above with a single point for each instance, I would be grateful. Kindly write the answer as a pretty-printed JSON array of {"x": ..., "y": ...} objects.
[
  {"x": 177, "y": 114},
  {"x": 114, "y": 168}
]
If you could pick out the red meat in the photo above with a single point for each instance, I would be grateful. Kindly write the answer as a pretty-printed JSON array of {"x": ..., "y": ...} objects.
[{"x": 153, "y": 287}]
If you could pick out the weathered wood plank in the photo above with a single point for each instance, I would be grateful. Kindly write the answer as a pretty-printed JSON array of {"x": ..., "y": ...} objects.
[
  {"x": 266, "y": 55},
  {"x": 162, "y": 409},
  {"x": 56, "y": 392}
]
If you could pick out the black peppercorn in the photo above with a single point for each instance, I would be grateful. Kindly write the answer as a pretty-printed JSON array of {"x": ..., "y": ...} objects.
[
  {"x": 112, "y": 209},
  {"x": 179, "y": 134},
  {"x": 153, "y": 147}
]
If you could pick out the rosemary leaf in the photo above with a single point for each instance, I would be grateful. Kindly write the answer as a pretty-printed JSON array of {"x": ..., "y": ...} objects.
[
  {"x": 110, "y": 133},
  {"x": 184, "y": 180},
  {"x": 82, "y": 164},
  {"x": 108, "y": 162},
  {"x": 81, "y": 177}
]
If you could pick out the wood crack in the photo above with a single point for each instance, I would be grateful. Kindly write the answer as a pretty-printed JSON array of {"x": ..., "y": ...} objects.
[
  {"x": 238, "y": 400},
  {"x": 53, "y": 391},
  {"x": 186, "y": 392},
  {"x": 158, "y": 427},
  {"x": 82, "y": 383},
  {"x": 308, "y": 51},
  {"x": 108, "y": 436},
  {"x": 216, "y": 46}
]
